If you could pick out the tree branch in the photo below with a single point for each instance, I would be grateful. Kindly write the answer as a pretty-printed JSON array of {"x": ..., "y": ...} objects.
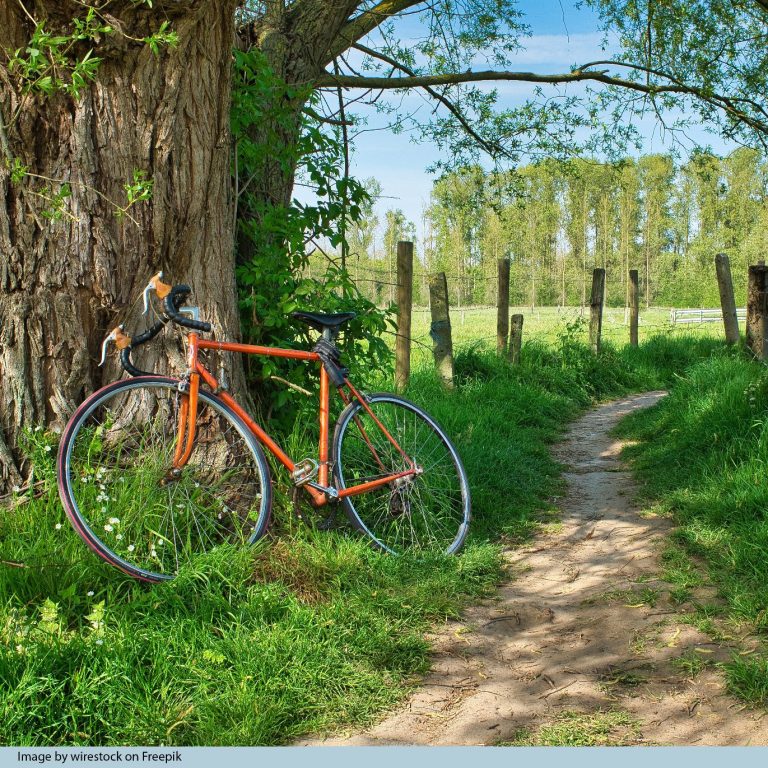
[
  {"x": 343, "y": 123},
  {"x": 723, "y": 103},
  {"x": 366, "y": 22}
]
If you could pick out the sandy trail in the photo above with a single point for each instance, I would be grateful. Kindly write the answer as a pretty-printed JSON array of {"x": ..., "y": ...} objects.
[{"x": 572, "y": 632}]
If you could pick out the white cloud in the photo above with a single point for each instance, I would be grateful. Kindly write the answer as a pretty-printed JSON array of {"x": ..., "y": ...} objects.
[{"x": 562, "y": 51}]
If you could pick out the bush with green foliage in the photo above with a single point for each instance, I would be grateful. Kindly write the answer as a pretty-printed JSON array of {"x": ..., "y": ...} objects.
[{"x": 274, "y": 238}]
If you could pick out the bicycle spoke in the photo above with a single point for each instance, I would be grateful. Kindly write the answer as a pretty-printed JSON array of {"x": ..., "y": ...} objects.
[
  {"x": 120, "y": 457},
  {"x": 425, "y": 510}
]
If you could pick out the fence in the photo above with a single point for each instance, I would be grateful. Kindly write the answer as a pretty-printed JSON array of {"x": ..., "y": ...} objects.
[
  {"x": 702, "y": 315},
  {"x": 510, "y": 321}
]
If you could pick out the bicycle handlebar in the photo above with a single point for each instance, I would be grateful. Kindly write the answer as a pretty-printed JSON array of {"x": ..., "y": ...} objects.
[
  {"x": 173, "y": 298},
  {"x": 142, "y": 338},
  {"x": 172, "y": 303}
]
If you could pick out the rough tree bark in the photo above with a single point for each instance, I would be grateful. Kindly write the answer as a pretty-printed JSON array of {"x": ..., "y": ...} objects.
[{"x": 64, "y": 283}]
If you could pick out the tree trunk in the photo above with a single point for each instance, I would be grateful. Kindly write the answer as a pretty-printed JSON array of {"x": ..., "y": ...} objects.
[{"x": 66, "y": 281}]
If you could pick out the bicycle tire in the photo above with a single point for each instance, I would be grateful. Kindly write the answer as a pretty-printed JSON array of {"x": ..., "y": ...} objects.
[
  {"x": 430, "y": 511},
  {"x": 113, "y": 477}
]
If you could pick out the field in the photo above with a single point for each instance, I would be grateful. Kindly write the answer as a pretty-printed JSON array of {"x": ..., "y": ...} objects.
[{"x": 477, "y": 325}]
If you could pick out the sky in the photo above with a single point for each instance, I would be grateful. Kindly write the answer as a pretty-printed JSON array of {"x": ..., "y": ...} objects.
[{"x": 562, "y": 36}]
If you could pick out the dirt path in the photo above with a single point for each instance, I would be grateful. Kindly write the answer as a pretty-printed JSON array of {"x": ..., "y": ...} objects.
[{"x": 576, "y": 632}]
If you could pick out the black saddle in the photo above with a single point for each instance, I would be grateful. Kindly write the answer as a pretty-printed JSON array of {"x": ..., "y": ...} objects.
[{"x": 321, "y": 322}]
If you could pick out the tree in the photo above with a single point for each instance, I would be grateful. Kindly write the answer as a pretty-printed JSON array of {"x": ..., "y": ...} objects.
[
  {"x": 396, "y": 228},
  {"x": 577, "y": 218},
  {"x": 74, "y": 255},
  {"x": 657, "y": 174},
  {"x": 629, "y": 219},
  {"x": 457, "y": 200}
]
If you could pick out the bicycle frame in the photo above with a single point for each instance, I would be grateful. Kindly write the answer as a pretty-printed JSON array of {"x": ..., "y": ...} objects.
[{"x": 320, "y": 492}]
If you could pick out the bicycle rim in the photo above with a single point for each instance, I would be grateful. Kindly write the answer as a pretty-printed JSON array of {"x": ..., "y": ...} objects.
[
  {"x": 428, "y": 511},
  {"x": 115, "y": 481}
]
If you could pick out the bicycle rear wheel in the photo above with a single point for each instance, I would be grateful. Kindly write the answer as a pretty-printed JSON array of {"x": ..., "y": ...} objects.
[
  {"x": 427, "y": 511},
  {"x": 114, "y": 477}
]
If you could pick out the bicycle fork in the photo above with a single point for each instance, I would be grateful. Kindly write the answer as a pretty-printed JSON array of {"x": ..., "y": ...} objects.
[{"x": 185, "y": 436}]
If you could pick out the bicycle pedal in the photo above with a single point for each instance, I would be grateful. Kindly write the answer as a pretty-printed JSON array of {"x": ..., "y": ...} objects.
[{"x": 305, "y": 471}]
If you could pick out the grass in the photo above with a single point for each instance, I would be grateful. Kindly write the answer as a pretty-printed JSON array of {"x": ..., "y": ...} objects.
[
  {"x": 581, "y": 729},
  {"x": 307, "y": 630},
  {"x": 702, "y": 456},
  {"x": 689, "y": 664},
  {"x": 547, "y": 324}
]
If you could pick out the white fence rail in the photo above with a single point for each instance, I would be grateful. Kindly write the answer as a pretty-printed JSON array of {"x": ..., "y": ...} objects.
[{"x": 702, "y": 315}]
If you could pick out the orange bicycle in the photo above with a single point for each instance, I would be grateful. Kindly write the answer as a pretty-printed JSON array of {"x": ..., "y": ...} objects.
[{"x": 154, "y": 470}]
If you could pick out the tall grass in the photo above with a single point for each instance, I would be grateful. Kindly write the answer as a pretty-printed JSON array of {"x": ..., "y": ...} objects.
[{"x": 308, "y": 629}]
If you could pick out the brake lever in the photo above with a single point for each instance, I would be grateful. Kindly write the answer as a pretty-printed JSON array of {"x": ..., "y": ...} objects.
[
  {"x": 121, "y": 340},
  {"x": 155, "y": 284}
]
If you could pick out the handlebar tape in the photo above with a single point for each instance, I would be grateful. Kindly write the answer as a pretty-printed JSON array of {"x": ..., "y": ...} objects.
[{"x": 173, "y": 301}]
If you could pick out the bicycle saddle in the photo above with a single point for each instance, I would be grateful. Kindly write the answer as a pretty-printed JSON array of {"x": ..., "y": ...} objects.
[{"x": 321, "y": 322}]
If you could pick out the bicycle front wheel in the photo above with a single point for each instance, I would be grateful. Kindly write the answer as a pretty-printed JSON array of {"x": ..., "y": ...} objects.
[
  {"x": 426, "y": 511},
  {"x": 118, "y": 490}
]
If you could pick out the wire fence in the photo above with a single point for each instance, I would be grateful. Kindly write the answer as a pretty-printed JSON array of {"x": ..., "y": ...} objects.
[
  {"x": 476, "y": 325},
  {"x": 552, "y": 309}
]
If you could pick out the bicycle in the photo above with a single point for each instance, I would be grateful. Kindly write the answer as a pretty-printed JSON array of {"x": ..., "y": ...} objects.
[{"x": 186, "y": 469}]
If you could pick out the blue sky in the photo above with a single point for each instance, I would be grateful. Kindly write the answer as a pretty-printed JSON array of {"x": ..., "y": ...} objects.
[{"x": 562, "y": 36}]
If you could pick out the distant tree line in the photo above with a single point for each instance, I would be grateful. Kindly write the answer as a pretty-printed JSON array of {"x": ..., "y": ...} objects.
[{"x": 558, "y": 220}]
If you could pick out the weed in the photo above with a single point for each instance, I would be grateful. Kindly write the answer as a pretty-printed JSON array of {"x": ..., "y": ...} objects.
[
  {"x": 748, "y": 679},
  {"x": 631, "y": 597},
  {"x": 582, "y": 729},
  {"x": 690, "y": 663}
]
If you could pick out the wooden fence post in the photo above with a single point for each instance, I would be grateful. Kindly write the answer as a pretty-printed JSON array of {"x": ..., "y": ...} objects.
[
  {"x": 756, "y": 310},
  {"x": 596, "y": 309},
  {"x": 727, "y": 300},
  {"x": 404, "y": 301},
  {"x": 502, "y": 316},
  {"x": 634, "y": 306},
  {"x": 440, "y": 330},
  {"x": 515, "y": 339}
]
